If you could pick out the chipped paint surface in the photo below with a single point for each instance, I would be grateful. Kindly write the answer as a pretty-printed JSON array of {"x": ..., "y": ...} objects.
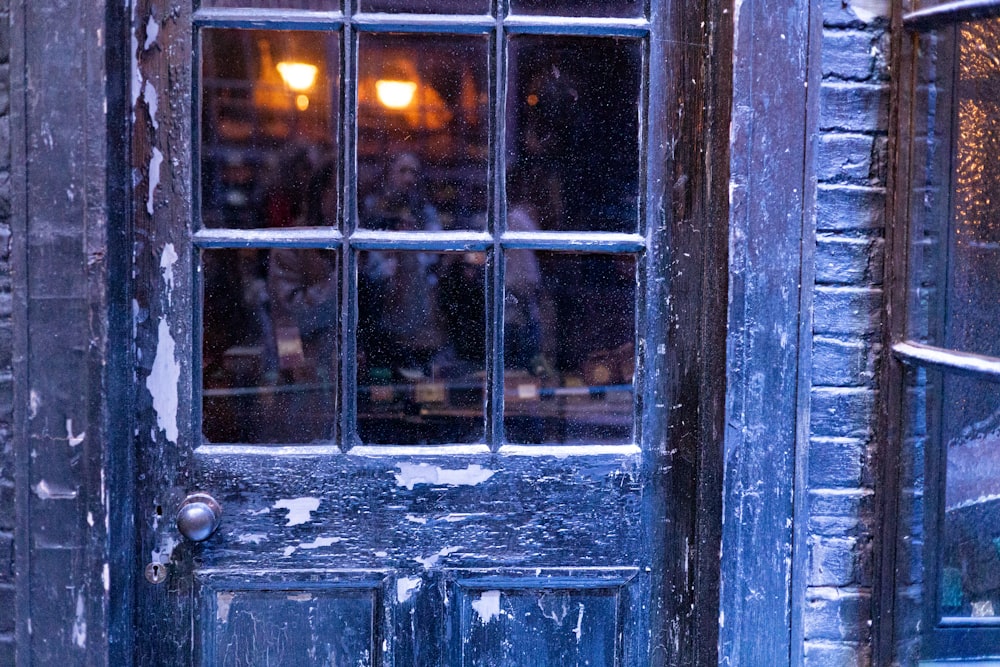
[
  {"x": 432, "y": 560},
  {"x": 251, "y": 538},
  {"x": 80, "y": 623},
  {"x": 73, "y": 440},
  {"x": 487, "y": 607},
  {"x": 34, "y": 403},
  {"x": 162, "y": 382},
  {"x": 318, "y": 543},
  {"x": 168, "y": 258},
  {"x": 152, "y": 32},
  {"x": 299, "y": 509},
  {"x": 406, "y": 587},
  {"x": 154, "y": 177},
  {"x": 152, "y": 102},
  {"x": 51, "y": 491},
  {"x": 412, "y": 474},
  {"x": 223, "y": 601}
]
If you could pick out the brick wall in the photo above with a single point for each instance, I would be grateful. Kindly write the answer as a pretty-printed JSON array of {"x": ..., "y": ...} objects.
[
  {"x": 851, "y": 163},
  {"x": 6, "y": 410}
]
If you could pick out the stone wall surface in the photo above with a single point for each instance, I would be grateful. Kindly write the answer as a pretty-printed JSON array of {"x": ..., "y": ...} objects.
[{"x": 851, "y": 170}]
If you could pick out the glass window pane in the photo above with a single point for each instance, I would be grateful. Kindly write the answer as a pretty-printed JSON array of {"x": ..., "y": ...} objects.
[
  {"x": 573, "y": 131},
  {"x": 969, "y": 580},
  {"x": 427, "y": 6},
  {"x": 956, "y": 266},
  {"x": 569, "y": 343},
  {"x": 314, "y": 5},
  {"x": 269, "y": 352},
  {"x": 421, "y": 347},
  {"x": 599, "y": 8},
  {"x": 270, "y": 106},
  {"x": 423, "y": 131}
]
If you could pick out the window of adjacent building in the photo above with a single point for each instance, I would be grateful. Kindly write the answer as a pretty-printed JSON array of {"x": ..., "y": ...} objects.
[{"x": 947, "y": 574}]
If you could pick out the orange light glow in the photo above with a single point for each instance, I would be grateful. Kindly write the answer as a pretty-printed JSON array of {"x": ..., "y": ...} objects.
[
  {"x": 395, "y": 94},
  {"x": 300, "y": 77}
]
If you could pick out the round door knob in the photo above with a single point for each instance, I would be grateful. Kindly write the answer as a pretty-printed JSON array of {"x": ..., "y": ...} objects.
[{"x": 198, "y": 517}]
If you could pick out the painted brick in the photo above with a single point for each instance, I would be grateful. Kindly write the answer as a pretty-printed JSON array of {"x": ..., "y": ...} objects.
[
  {"x": 835, "y": 513},
  {"x": 845, "y": 158},
  {"x": 843, "y": 363},
  {"x": 837, "y": 462},
  {"x": 853, "y": 107},
  {"x": 849, "y": 54},
  {"x": 844, "y": 260},
  {"x": 836, "y": 655},
  {"x": 842, "y": 208},
  {"x": 849, "y": 311},
  {"x": 839, "y": 561},
  {"x": 841, "y": 413},
  {"x": 838, "y": 616}
]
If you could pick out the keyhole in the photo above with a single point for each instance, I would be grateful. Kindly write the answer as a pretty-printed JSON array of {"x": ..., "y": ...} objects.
[{"x": 156, "y": 573}]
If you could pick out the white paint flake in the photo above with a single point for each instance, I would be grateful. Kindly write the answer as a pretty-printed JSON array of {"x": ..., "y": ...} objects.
[
  {"x": 80, "y": 623},
  {"x": 222, "y": 603},
  {"x": 162, "y": 382},
  {"x": 167, "y": 261},
  {"x": 46, "y": 491},
  {"x": 413, "y": 518},
  {"x": 578, "y": 630},
  {"x": 318, "y": 543},
  {"x": 433, "y": 559},
  {"x": 487, "y": 607},
  {"x": 152, "y": 32},
  {"x": 106, "y": 576},
  {"x": 154, "y": 177},
  {"x": 34, "y": 402},
  {"x": 163, "y": 553},
  {"x": 406, "y": 587},
  {"x": 299, "y": 509},
  {"x": 73, "y": 440},
  {"x": 251, "y": 538},
  {"x": 381, "y": 554},
  {"x": 152, "y": 103},
  {"x": 411, "y": 474},
  {"x": 136, "y": 75},
  {"x": 90, "y": 519},
  {"x": 300, "y": 597}
]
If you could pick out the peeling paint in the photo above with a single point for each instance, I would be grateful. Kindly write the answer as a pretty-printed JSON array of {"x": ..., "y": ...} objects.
[
  {"x": 251, "y": 538},
  {"x": 74, "y": 440},
  {"x": 152, "y": 103},
  {"x": 154, "y": 177},
  {"x": 406, "y": 587},
  {"x": 34, "y": 403},
  {"x": 106, "y": 576},
  {"x": 167, "y": 260},
  {"x": 300, "y": 597},
  {"x": 162, "y": 382},
  {"x": 223, "y": 601},
  {"x": 318, "y": 543},
  {"x": 80, "y": 623},
  {"x": 165, "y": 551},
  {"x": 487, "y": 607},
  {"x": 152, "y": 32},
  {"x": 299, "y": 509},
  {"x": 433, "y": 559},
  {"x": 47, "y": 491},
  {"x": 578, "y": 630},
  {"x": 411, "y": 474}
]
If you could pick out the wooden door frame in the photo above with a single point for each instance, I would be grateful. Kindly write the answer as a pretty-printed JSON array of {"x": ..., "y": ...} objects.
[{"x": 72, "y": 256}]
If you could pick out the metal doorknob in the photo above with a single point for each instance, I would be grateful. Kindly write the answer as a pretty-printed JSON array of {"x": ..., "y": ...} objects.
[{"x": 198, "y": 516}]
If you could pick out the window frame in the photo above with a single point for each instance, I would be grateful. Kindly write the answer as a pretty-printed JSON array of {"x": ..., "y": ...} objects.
[{"x": 969, "y": 640}]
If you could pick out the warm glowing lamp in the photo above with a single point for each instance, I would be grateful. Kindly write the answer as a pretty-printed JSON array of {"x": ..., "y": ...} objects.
[
  {"x": 395, "y": 94},
  {"x": 300, "y": 77}
]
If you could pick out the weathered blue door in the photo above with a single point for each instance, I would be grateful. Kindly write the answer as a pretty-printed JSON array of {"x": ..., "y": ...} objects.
[{"x": 399, "y": 273}]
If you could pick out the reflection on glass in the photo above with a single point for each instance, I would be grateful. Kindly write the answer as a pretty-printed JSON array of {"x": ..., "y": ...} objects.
[
  {"x": 427, "y": 6},
  {"x": 956, "y": 266},
  {"x": 422, "y": 131},
  {"x": 269, "y": 354},
  {"x": 598, "y": 8},
  {"x": 573, "y": 130},
  {"x": 421, "y": 347},
  {"x": 569, "y": 343},
  {"x": 969, "y": 580},
  {"x": 270, "y": 102}
]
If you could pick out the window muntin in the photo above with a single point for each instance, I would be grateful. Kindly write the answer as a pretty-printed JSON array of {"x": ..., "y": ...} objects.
[
  {"x": 947, "y": 594},
  {"x": 465, "y": 157}
]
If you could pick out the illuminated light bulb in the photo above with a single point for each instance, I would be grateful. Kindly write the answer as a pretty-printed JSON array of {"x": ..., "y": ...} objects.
[
  {"x": 395, "y": 94},
  {"x": 302, "y": 102},
  {"x": 532, "y": 100},
  {"x": 298, "y": 76}
]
